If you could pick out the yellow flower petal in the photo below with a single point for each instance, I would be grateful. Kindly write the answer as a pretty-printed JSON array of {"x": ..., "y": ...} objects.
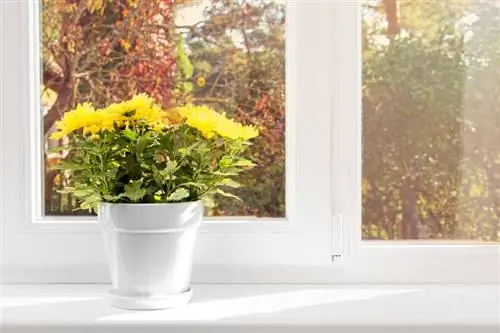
[{"x": 57, "y": 135}]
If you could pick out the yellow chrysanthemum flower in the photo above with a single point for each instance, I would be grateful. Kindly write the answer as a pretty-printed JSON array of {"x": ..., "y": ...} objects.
[
  {"x": 248, "y": 132},
  {"x": 108, "y": 121},
  {"x": 173, "y": 117},
  {"x": 141, "y": 114},
  {"x": 115, "y": 108},
  {"x": 209, "y": 122},
  {"x": 92, "y": 129},
  {"x": 157, "y": 126},
  {"x": 138, "y": 102},
  {"x": 83, "y": 116},
  {"x": 57, "y": 135},
  {"x": 202, "y": 118},
  {"x": 140, "y": 110},
  {"x": 228, "y": 129}
]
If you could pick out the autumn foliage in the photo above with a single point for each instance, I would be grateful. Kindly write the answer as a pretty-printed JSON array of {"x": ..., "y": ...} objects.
[
  {"x": 103, "y": 51},
  {"x": 431, "y": 152}
]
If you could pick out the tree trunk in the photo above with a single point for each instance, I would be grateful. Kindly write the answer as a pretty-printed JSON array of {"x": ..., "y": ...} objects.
[
  {"x": 389, "y": 220},
  {"x": 411, "y": 221},
  {"x": 61, "y": 105},
  {"x": 49, "y": 189},
  {"x": 62, "y": 85},
  {"x": 381, "y": 219},
  {"x": 391, "y": 14}
]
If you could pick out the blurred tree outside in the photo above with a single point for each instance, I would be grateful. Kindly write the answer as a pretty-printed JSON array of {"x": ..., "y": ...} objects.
[
  {"x": 431, "y": 101},
  {"x": 431, "y": 120},
  {"x": 239, "y": 48},
  {"x": 231, "y": 58}
]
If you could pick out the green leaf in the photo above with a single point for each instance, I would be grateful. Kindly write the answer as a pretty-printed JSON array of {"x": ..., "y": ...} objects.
[
  {"x": 229, "y": 183},
  {"x": 69, "y": 166},
  {"x": 224, "y": 174},
  {"x": 244, "y": 163},
  {"x": 90, "y": 203},
  {"x": 151, "y": 190},
  {"x": 204, "y": 151},
  {"x": 84, "y": 192},
  {"x": 225, "y": 161},
  {"x": 178, "y": 194},
  {"x": 157, "y": 176},
  {"x": 134, "y": 192},
  {"x": 132, "y": 135},
  {"x": 141, "y": 145},
  {"x": 183, "y": 62},
  {"x": 171, "y": 167},
  {"x": 112, "y": 198},
  {"x": 169, "y": 170},
  {"x": 89, "y": 147},
  {"x": 194, "y": 184},
  {"x": 227, "y": 195},
  {"x": 183, "y": 151},
  {"x": 187, "y": 87}
]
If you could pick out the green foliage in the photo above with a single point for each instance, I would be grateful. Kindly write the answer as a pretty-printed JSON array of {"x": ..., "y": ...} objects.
[
  {"x": 141, "y": 165},
  {"x": 183, "y": 62},
  {"x": 247, "y": 81},
  {"x": 178, "y": 194},
  {"x": 185, "y": 70},
  {"x": 429, "y": 98}
]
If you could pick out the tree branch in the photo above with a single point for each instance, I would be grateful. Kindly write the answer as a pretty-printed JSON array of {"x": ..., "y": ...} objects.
[{"x": 52, "y": 75}]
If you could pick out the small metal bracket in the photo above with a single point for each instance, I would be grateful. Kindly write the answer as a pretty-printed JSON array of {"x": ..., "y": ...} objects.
[
  {"x": 336, "y": 238},
  {"x": 336, "y": 257}
]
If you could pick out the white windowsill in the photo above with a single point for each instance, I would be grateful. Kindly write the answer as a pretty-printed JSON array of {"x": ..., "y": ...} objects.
[{"x": 259, "y": 309}]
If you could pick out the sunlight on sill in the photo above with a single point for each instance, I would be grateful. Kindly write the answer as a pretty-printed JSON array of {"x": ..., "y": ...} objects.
[
  {"x": 9, "y": 302},
  {"x": 262, "y": 304}
]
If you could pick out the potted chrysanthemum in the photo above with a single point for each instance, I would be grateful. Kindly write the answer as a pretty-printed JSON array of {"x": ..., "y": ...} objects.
[{"x": 145, "y": 171}]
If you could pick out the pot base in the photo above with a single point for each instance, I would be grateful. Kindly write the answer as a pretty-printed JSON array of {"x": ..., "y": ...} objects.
[{"x": 151, "y": 303}]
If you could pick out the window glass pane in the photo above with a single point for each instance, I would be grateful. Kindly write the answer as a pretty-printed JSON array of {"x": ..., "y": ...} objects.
[
  {"x": 229, "y": 54},
  {"x": 431, "y": 120}
]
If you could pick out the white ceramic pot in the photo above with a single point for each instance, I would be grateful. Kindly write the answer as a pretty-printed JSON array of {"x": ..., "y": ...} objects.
[{"x": 150, "y": 252}]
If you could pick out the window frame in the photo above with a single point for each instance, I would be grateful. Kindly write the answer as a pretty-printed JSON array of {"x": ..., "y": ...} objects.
[
  {"x": 319, "y": 242},
  {"x": 40, "y": 249},
  {"x": 383, "y": 261}
]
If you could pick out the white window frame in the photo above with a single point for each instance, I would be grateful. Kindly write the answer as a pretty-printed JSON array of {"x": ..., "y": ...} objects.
[{"x": 319, "y": 241}]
